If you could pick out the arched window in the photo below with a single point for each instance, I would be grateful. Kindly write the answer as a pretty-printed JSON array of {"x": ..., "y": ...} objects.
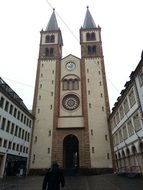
[
  {"x": 93, "y": 36},
  {"x": 52, "y": 38},
  {"x": 51, "y": 52},
  {"x": 87, "y": 36},
  {"x": 47, "y": 52},
  {"x": 76, "y": 84},
  {"x": 70, "y": 84},
  {"x": 47, "y": 40},
  {"x": 65, "y": 85},
  {"x": 89, "y": 50},
  {"x": 93, "y": 49}
]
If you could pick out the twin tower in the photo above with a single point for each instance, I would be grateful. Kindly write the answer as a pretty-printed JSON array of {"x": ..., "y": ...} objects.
[{"x": 71, "y": 105}]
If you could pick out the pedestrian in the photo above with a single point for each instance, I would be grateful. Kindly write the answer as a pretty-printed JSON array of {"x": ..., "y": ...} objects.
[{"x": 54, "y": 178}]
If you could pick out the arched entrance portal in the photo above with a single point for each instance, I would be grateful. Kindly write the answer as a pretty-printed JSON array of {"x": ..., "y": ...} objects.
[{"x": 71, "y": 152}]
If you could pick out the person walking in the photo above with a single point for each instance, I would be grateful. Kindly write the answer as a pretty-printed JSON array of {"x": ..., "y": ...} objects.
[{"x": 54, "y": 178}]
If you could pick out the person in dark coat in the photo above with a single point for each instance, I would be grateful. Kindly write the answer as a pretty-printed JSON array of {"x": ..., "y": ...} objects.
[{"x": 54, "y": 178}]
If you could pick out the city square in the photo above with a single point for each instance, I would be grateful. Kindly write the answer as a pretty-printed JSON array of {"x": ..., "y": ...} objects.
[{"x": 96, "y": 182}]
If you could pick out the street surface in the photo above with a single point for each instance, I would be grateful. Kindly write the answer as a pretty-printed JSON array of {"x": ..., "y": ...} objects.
[{"x": 97, "y": 182}]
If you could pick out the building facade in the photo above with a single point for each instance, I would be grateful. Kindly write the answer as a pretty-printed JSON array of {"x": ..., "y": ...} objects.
[
  {"x": 71, "y": 104},
  {"x": 15, "y": 132},
  {"x": 126, "y": 121}
]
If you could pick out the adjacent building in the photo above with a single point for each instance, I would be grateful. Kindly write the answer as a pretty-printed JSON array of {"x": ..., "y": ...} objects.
[
  {"x": 71, "y": 106},
  {"x": 126, "y": 122},
  {"x": 15, "y": 132}
]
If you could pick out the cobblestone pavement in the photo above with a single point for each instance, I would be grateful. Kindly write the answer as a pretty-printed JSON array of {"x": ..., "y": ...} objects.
[{"x": 98, "y": 182}]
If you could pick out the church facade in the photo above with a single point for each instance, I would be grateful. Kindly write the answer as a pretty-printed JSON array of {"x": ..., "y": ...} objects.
[{"x": 71, "y": 106}]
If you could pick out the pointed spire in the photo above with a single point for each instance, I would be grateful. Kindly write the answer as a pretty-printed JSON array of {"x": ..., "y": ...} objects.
[
  {"x": 88, "y": 21},
  {"x": 52, "y": 25}
]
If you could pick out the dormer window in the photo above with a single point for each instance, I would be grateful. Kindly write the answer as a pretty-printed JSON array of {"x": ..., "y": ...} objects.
[{"x": 50, "y": 39}]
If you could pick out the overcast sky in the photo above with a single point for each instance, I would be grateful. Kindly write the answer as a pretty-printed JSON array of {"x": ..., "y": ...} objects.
[{"x": 21, "y": 22}]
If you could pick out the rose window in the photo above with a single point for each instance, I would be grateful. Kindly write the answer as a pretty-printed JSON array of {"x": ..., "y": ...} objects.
[{"x": 70, "y": 102}]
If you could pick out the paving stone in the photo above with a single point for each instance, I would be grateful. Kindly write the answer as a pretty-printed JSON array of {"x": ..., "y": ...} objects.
[{"x": 98, "y": 182}]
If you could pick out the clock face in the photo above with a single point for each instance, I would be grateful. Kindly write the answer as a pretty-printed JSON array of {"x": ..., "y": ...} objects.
[
  {"x": 70, "y": 66},
  {"x": 71, "y": 102}
]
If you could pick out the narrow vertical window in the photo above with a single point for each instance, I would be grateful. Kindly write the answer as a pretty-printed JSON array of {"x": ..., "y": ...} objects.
[
  {"x": 108, "y": 156},
  {"x": 93, "y": 150},
  {"x": 49, "y": 132},
  {"x": 6, "y": 106},
  {"x": 91, "y": 131},
  {"x": 1, "y": 102},
  {"x": 48, "y": 150},
  {"x": 93, "y": 36},
  {"x": 47, "y": 52},
  {"x": 76, "y": 84}
]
